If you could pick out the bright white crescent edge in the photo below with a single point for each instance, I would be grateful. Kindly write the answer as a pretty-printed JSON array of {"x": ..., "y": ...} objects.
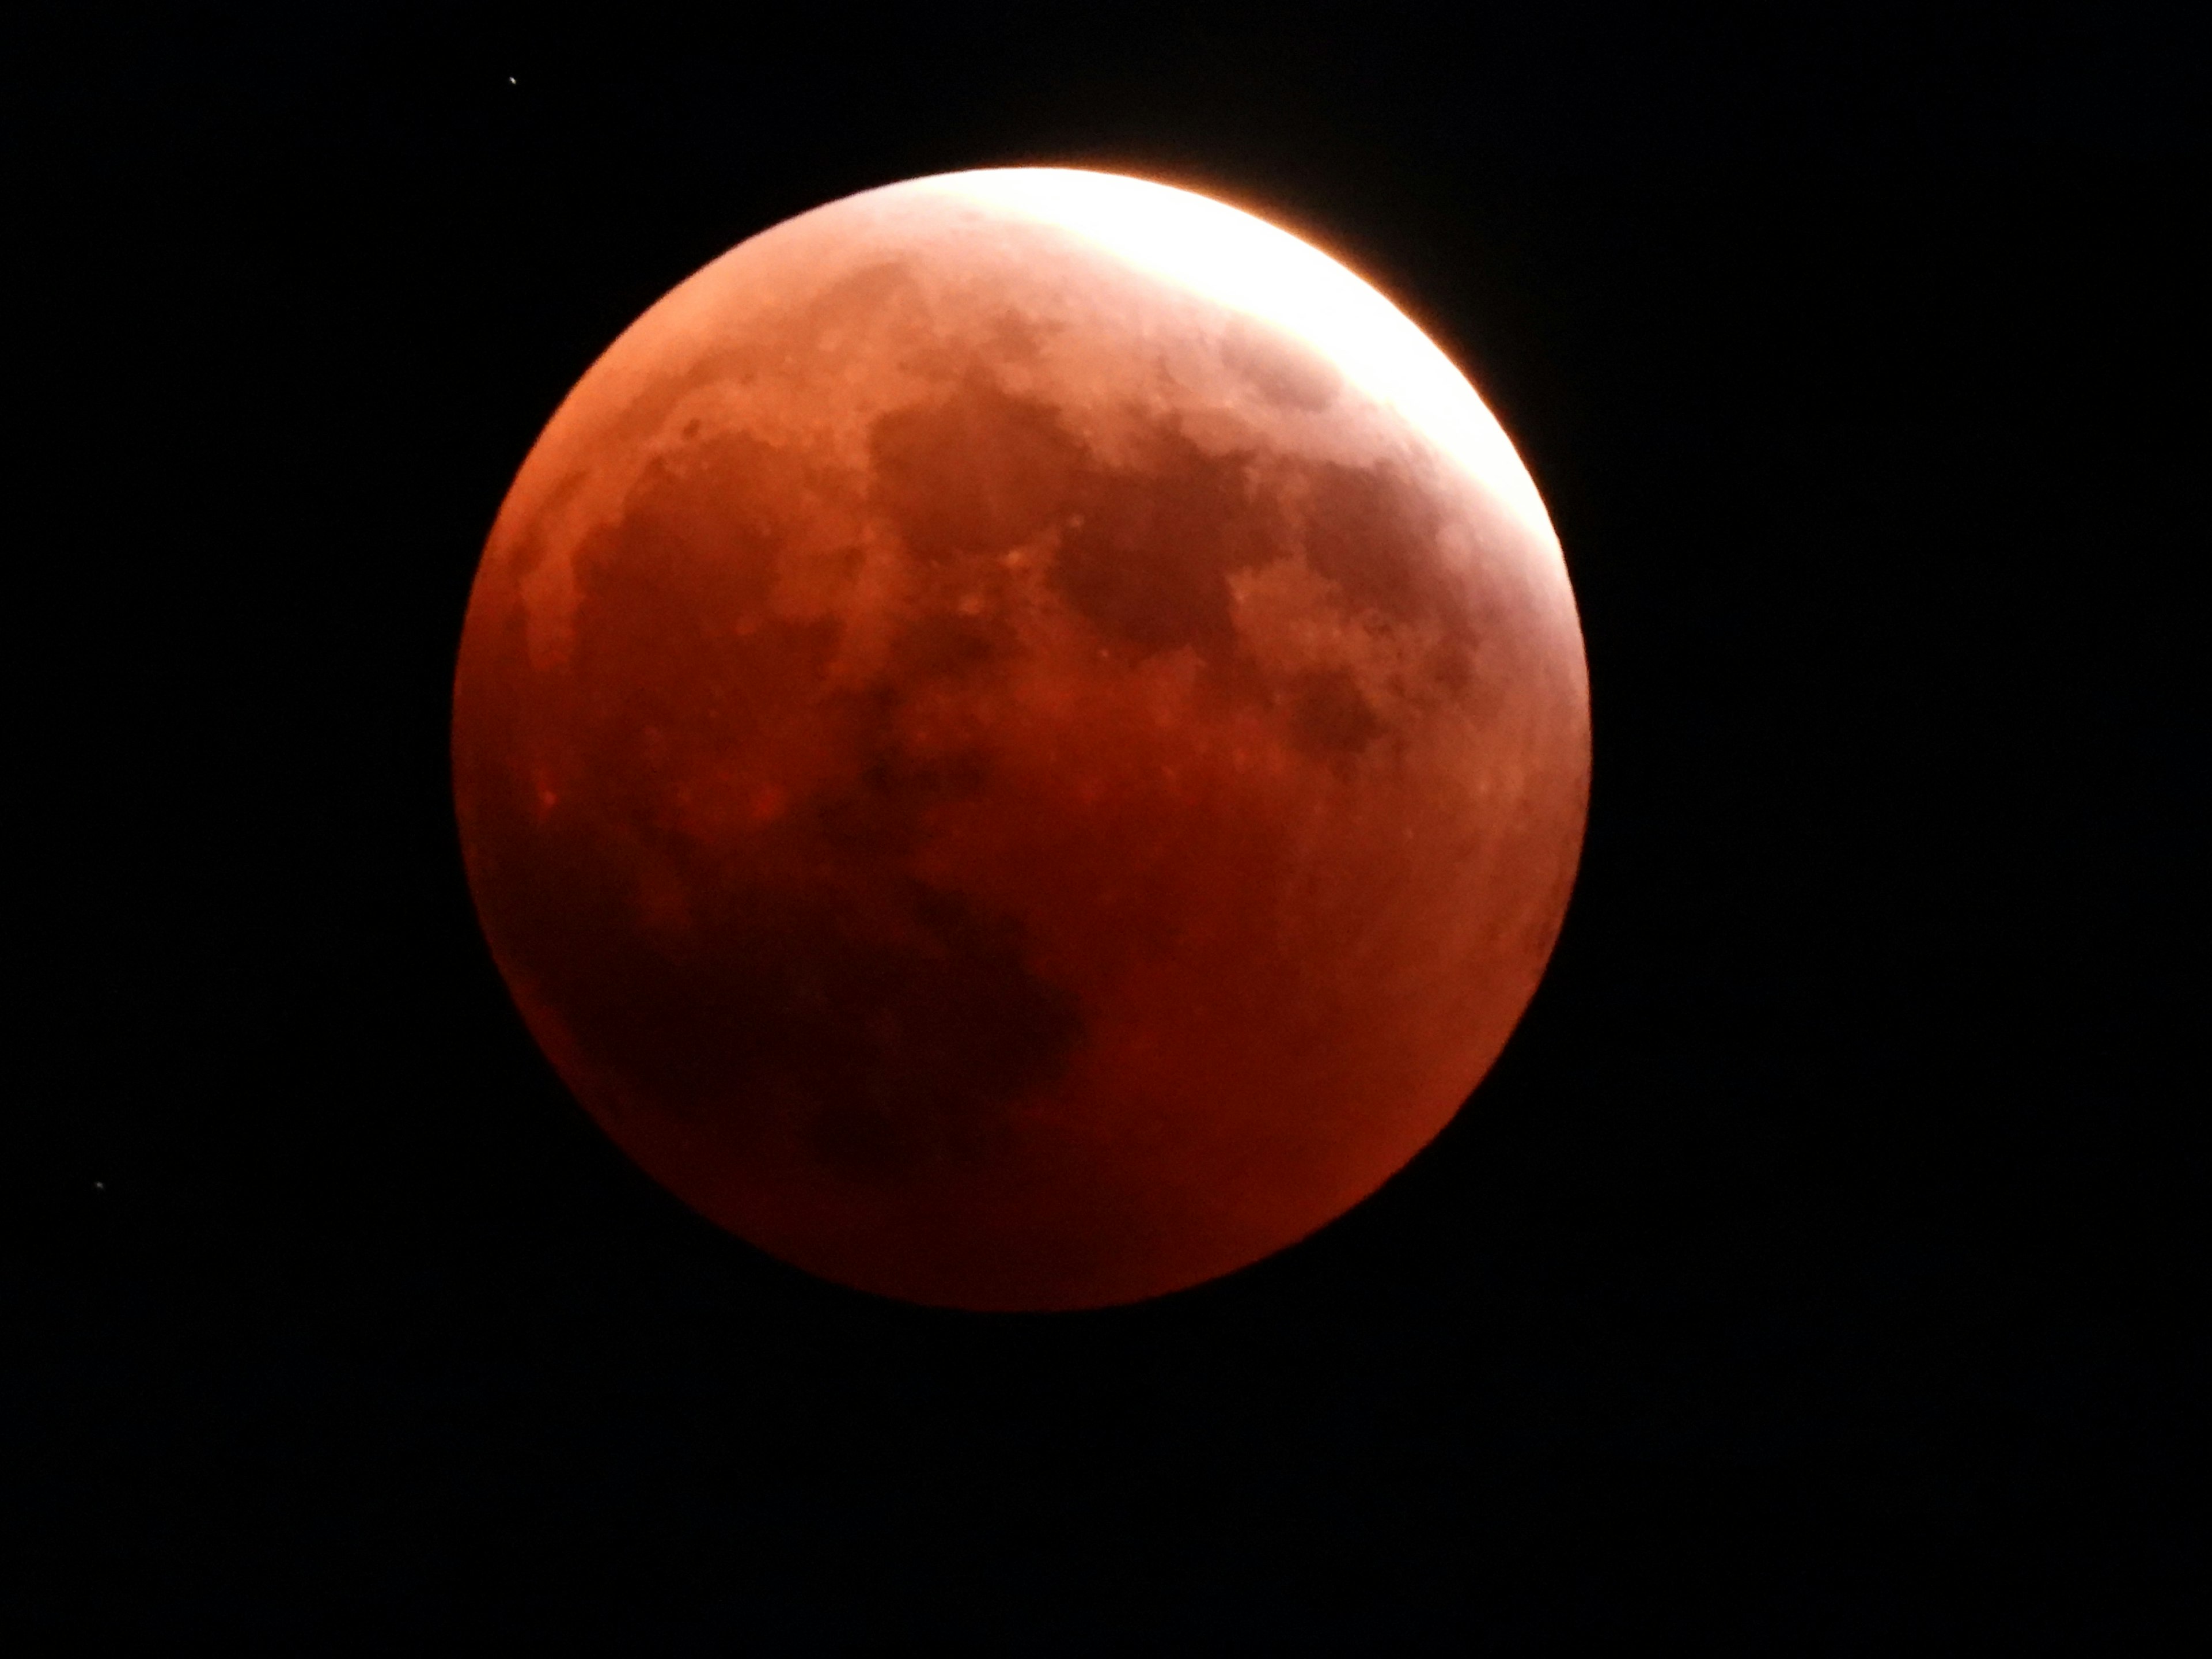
[{"x": 1250, "y": 265}]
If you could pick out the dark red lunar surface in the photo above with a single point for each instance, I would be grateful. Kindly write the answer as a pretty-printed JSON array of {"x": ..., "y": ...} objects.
[{"x": 1003, "y": 774}]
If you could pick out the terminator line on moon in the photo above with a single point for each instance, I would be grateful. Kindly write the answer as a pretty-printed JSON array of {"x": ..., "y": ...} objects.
[{"x": 1021, "y": 740}]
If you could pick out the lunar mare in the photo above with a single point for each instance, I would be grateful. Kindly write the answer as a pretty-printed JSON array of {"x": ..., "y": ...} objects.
[{"x": 1009, "y": 773}]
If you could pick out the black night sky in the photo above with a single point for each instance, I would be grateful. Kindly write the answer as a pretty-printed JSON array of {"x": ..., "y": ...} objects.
[{"x": 1821, "y": 1268}]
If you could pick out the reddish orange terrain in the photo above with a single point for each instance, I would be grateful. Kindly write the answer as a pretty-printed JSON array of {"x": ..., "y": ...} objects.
[{"x": 1003, "y": 779}]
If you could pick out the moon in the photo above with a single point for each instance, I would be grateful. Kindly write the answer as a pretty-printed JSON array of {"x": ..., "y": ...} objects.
[{"x": 1021, "y": 740}]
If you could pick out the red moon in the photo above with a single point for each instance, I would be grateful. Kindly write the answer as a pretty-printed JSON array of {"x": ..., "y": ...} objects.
[{"x": 1021, "y": 741}]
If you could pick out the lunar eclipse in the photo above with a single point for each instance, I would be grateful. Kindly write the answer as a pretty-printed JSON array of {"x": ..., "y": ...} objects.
[{"x": 1021, "y": 741}]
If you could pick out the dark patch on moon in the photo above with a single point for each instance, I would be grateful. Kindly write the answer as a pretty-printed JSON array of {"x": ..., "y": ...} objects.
[
  {"x": 1329, "y": 718},
  {"x": 933, "y": 1043},
  {"x": 880, "y": 812},
  {"x": 1144, "y": 550},
  {"x": 941, "y": 645},
  {"x": 878, "y": 1040},
  {"x": 980, "y": 472},
  {"x": 870, "y": 1030},
  {"x": 1147, "y": 559},
  {"x": 1373, "y": 531}
]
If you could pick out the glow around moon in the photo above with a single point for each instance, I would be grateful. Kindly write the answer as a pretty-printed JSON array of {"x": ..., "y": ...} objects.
[{"x": 1021, "y": 740}]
